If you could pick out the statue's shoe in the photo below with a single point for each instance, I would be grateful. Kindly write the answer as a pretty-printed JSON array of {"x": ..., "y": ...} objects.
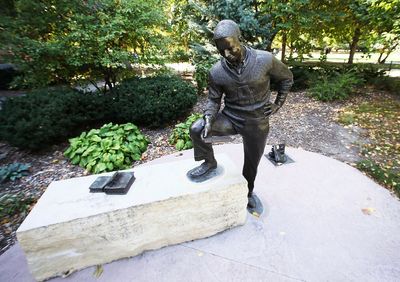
[
  {"x": 254, "y": 205},
  {"x": 202, "y": 169},
  {"x": 251, "y": 202}
]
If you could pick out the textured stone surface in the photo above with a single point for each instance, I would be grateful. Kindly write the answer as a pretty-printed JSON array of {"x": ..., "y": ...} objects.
[
  {"x": 70, "y": 228},
  {"x": 313, "y": 229}
]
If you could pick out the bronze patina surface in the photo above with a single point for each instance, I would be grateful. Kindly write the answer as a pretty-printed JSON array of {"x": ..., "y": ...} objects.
[{"x": 243, "y": 75}]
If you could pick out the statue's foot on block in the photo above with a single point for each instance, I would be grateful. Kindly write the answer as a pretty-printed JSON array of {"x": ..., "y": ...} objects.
[
  {"x": 204, "y": 172},
  {"x": 254, "y": 205}
]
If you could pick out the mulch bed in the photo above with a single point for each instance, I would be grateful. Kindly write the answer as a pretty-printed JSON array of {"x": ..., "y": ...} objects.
[{"x": 302, "y": 122}]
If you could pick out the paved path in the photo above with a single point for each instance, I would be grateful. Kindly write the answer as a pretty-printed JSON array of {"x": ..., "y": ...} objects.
[{"x": 324, "y": 221}]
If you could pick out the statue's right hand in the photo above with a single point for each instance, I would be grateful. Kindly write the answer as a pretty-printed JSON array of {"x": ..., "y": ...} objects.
[
  {"x": 207, "y": 126},
  {"x": 207, "y": 129}
]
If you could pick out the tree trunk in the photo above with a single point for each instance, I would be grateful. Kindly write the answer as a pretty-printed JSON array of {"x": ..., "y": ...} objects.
[
  {"x": 255, "y": 6},
  {"x": 284, "y": 40},
  {"x": 380, "y": 57},
  {"x": 382, "y": 61},
  {"x": 353, "y": 44}
]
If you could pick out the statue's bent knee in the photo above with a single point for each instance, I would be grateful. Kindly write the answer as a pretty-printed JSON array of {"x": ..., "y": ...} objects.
[{"x": 196, "y": 128}]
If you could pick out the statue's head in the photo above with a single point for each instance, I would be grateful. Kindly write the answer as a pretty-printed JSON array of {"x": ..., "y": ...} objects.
[{"x": 226, "y": 37}]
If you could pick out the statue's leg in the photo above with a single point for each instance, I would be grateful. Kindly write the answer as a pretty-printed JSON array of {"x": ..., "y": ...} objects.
[
  {"x": 202, "y": 150},
  {"x": 254, "y": 140}
]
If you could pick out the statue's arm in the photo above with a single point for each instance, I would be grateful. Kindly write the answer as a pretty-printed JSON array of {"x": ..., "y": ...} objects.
[
  {"x": 214, "y": 98},
  {"x": 283, "y": 76},
  {"x": 213, "y": 104}
]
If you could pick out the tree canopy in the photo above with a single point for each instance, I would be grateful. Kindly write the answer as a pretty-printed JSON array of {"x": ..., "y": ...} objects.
[
  {"x": 58, "y": 41},
  {"x": 62, "y": 41}
]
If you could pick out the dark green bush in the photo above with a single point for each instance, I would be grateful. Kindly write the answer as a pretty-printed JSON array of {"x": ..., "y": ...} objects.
[
  {"x": 7, "y": 74},
  {"x": 305, "y": 74},
  {"x": 302, "y": 74},
  {"x": 391, "y": 84},
  {"x": 153, "y": 101},
  {"x": 334, "y": 87},
  {"x": 45, "y": 117}
]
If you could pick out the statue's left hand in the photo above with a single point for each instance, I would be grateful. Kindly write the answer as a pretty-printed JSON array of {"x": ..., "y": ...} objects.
[{"x": 270, "y": 109}]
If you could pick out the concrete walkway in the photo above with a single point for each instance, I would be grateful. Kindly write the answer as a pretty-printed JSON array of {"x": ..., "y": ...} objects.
[{"x": 324, "y": 221}]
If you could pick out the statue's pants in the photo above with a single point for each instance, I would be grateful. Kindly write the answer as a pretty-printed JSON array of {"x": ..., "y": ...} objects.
[{"x": 254, "y": 135}]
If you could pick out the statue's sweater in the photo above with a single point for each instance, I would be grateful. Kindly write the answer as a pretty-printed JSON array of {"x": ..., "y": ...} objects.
[{"x": 247, "y": 93}]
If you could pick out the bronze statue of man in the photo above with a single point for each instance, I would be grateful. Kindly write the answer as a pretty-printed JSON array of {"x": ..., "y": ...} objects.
[{"x": 243, "y": 74}]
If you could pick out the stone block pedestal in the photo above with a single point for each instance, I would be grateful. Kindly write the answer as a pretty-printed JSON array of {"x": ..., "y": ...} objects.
[{"x": 70, "y": 228}]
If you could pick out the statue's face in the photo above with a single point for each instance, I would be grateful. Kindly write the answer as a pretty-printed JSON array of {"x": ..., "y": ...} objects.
[{"x": 230, "y": 49}]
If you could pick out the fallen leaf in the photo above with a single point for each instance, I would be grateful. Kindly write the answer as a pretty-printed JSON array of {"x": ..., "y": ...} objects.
[
  {"x": 99, "y": 270},
  {"x": 368, "y": 211}
]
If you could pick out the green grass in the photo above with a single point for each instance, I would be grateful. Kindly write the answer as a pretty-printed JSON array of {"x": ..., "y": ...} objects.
[{"x": 381, "y": 120}]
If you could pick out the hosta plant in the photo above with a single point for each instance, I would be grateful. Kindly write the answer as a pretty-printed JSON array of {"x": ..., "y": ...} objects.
[
  {"x": 13, "y": 171},
  {"x": 112, "y": 147},
  {"x": 180, "y": 136}
]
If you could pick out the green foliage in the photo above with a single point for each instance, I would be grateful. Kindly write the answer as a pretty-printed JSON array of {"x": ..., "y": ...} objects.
[
  {"x": 203, "y": 60},
  {"x": 180, "y": 136},
  {"x": 302, "y": 76},
  {"x": 254, "y": 18},
  {"x": 7, "y": 74},
  {"x": 47, "y": 116},
  {"x": 180, "y": 56},
  {"x": 13, "y": 171},
  {"x": 153, "y": 101},
  {"x": 305, "y": 74},
  {"x": 112, "y": 147},
  {"x": 383, "y": 175},
  {"x": 391, "y": 84},
  {"x": 62, "y": 41},
  {"x": 336, "y": 87},
  {"x": 11, "y": 204}
]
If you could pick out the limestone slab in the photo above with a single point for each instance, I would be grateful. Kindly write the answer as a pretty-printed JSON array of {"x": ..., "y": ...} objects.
[{"x": 70, "y": 228}]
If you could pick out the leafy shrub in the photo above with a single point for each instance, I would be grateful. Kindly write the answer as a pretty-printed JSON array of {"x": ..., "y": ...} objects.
[
  {"x": 203, "y": 60},
  {"x": 201, "y": 73},
  {"x": 109, "y": 148},
  {"x": 364, "y": 71},
  {"x": 391, "y": 84},
  {"x": 180, "y": 136},
  {"x": 337, "y": 87},
  {"x": 153, "y": 101},
  {"x": 11, "y": 204},
  {"x": 13, "y": 171},
  {"x": 306, "y": 73},
  {"x": 7, "y": 74},
  {"x": 302, "y": 75},
  {"x": 47, "y": 116},
  {"x": 180, "y": 56}
]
